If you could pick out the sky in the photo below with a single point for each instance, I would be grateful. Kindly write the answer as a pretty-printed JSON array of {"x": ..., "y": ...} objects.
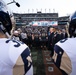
[{"x": 62, "y": 7}]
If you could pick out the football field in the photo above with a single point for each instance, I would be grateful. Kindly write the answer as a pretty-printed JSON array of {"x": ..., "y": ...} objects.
[{"x": 42, "y": 62}]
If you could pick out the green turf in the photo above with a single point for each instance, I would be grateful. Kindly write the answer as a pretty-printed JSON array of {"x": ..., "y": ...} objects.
[{"x": 38, "y": 63}]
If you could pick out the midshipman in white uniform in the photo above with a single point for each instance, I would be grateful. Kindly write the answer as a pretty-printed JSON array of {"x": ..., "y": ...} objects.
[
  {"x": 65, "y": 51},
  {"x": 15, "y": 56}
]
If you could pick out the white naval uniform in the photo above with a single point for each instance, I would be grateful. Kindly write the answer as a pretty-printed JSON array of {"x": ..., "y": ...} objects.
[
  {"x": 69, "y": 46},
  {"x": 9, "y": 53}
]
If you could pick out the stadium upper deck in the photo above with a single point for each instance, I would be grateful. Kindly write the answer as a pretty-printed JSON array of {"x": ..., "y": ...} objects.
[{"x": 26, "y": 18}]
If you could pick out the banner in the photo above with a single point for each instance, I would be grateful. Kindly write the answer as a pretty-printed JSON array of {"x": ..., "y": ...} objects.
[{"x": 44, "y": 23}]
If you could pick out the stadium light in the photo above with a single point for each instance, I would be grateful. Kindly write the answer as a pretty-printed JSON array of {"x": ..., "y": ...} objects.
[{"x": 17, "y": 4}]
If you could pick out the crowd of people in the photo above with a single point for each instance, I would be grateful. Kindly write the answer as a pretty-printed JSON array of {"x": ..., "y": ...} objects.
[{"x": 41, "y": 36}]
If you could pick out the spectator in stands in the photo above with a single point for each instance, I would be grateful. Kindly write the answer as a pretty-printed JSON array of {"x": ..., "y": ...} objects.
[
  {"x": 65, "y": 50},
  {"x": 15, "y": 57}
]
